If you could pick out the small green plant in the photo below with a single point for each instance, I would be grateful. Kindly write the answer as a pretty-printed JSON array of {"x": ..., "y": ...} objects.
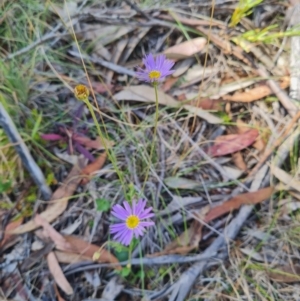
[
  {"x": 5, "y": 185},
  {"x": 244, "y": 8},
  {"x": 102, "y": 205}
]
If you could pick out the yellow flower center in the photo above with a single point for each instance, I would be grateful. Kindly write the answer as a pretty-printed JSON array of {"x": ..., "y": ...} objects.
[
  {"x": 154, "y": 74},
  {"x": 132, "y": 221},
  {"x": 81, "y": 92}
]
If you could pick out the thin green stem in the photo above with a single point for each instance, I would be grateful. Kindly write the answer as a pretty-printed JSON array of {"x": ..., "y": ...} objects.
[
  {"x": 154, "y": 132},
  {"x": 103, "y": 141},
  {"x": 130, "y": 255}
]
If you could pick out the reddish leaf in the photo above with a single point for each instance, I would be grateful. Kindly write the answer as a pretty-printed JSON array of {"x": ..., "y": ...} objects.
[
  {"x": 51, "y": 137},
  {"x": 229, "y": 144},
  {"x": 209, "y": 104},
  {"x": 169, "y": 83},
  {"x": 93, "y": 167},
  {"x": 11, "y": 226},
  {"x": 249, "y": 198}
]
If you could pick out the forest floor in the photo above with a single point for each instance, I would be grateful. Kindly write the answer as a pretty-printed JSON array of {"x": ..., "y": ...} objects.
[{"x": 213, "y": 148}]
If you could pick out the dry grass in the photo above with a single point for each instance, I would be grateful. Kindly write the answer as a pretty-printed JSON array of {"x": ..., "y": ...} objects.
[{"x": 36, "y": 85}]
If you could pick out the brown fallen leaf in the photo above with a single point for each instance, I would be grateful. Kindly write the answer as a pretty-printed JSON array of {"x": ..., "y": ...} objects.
[
  {"x": 228, "y": 144},
  {"x": 85, "y": 248},
  {"x": 96, "y": 144},
  {"x": 49, "y": 231},
  {"x": 145, "y": 93},
  {"x": 188, "y": 240},
  {"x": 186, "y": 49},
  {"x": 61, "y": 197},
  {"x": 169, "y": 82},
  {"x": 238, "y": 160},
  {"x": 58, "y": 274},
  {"x": 249, "y": 198},
  {"x": 208, "y": 104},
  {"x": 9, "y": 228},
  {"x": 72, "y": 244},
  {"x": 59, "y": 297},
  {"x": 67, "y": 257},
  {"x": 259, "y": 143},
  {"x": 256, "y": 93},
  {"x": 88, "y": 171},
  {"x": 285, "y": 273}
]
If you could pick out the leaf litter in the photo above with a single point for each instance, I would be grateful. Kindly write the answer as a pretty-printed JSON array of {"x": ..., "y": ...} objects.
[{"x": 213, "y": 99}]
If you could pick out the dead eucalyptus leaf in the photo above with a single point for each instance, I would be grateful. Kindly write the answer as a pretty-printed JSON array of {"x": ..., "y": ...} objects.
[
  {"x": 58, "y": 274},
  {"x": 285, "y": 178},
  {"x": 145, "y": 93},
  {"x": 249, "y": 198},
  {"x": 186, "y": 49},
  {"x": 285, "y": 273},
  {"x": 61, "y": 197}
]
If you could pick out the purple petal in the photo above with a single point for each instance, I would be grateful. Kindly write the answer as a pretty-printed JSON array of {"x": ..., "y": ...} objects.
[
  {"x": 146, "y": 213},
  {"x": 140, "y": 207},
  {"x": 119, "y": 212},
  {"x": 128, "y": 238},
  {"x": 127, "y": 207},
  {"x": 120, "y": 234},
  {"x": 149, "y": 62},
  {"x": 116, "y": 228},
  {"x": 133, "y": 207},
  {"x": 146, "y": 224},
  {"x": 139, "y": 231}
]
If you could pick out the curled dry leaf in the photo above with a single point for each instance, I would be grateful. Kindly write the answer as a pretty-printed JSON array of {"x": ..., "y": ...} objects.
[
  {"x": 88, "y": 171},
  {"x": 60, "y": 198},
  {"x": 58, "y": 274},
  {"x": 87, "y": 249},
  {"x": 249, "y": 198},
  {"x": 228, "y": 144},
  {"x": 285, "y": 273},
  {"x": 186, "y": 49},
  {"x": 75, "y": 245},
  {"x": 189, "y": 239},
  {"x": 256, "y": 93}
]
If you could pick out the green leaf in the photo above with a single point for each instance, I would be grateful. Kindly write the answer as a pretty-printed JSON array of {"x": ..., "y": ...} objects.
[
  {"x": 4, "y": 186},
  {"x": 102, "y": 205},
  {"x": 36, "y": 126},
  {"x": 122, "y": 255},
  {"x": 125, "y": 272}
]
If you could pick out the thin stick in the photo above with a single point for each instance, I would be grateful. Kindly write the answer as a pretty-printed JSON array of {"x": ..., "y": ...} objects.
[{"x": 21, "y": 148}]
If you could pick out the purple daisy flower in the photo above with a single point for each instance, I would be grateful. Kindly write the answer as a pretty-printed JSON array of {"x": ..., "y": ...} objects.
[
  {"x": 156, "y": 69},
  {"x": 132, "y": 221}
]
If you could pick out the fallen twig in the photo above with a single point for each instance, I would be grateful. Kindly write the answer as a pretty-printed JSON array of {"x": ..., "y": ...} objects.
[{"x": 21, "y": 148}]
